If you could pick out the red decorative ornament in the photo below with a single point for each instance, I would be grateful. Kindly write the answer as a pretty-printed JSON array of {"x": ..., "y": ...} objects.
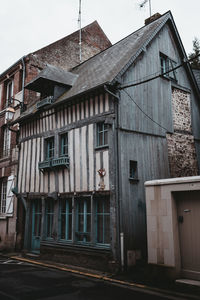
[{"x": 102, "y": 172}]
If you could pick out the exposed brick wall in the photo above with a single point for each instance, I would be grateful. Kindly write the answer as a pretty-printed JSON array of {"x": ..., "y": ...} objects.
[
  {"x": 181, "y": 146},
  {"x": 65, "y": 52}
]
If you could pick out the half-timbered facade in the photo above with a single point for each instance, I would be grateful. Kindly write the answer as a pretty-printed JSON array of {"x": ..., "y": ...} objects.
[
  {"x": 14, "y": 99},
  {"x": 122, "y": 117}
]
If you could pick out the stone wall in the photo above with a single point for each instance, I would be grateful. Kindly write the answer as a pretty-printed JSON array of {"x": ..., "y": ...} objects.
[{"x": 181, "y": 146}]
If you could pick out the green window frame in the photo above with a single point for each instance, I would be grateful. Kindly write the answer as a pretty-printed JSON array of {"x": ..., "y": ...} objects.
[
  {"x": 103, "y": 221},
  {"x": 49, "y": 218},
  {"x": 50, "y": 148},
  {"x": 167, "y": 64},
  {"x": 64, "y": 144},
  {"x": 65, "y": 224},
  {"x": 102, "y": 134},
  {"x": 83, "y": 219}
]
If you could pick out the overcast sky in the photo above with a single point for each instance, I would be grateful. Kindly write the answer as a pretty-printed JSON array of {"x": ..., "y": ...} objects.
[{"x": 28, "y": 25}]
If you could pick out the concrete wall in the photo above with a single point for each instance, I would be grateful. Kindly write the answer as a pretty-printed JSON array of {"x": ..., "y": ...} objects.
[{"x": 162, "y": 221}]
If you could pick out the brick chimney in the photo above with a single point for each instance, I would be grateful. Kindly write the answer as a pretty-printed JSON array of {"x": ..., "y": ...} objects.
[{"x": 152, "y": 18}]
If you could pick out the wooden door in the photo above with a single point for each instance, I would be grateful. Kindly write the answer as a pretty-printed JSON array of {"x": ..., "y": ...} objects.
[
  {"x": 188, "y": 208},
  {"x": 36, "y": 224}
]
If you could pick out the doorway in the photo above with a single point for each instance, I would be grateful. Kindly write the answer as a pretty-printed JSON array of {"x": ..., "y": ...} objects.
[
  {"x": 188, "y": 210},
  {"x": 36, "y": 225}
]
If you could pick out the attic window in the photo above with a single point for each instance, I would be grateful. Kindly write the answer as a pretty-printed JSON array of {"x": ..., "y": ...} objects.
[{"x": 167, "y": 64}]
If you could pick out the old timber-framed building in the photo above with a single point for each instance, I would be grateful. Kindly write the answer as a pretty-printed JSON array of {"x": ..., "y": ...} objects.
[
  {"x": 88, "y": 147},
  {"x": 14, "y": 99}
]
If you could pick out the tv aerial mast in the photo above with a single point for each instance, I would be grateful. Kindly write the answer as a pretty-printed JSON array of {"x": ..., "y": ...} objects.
[
  {"x": 80, "y": 33},
  {"x": 142, "y": 4}
]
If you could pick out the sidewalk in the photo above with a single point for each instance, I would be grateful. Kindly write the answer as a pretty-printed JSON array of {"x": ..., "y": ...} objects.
[{"x": 138, "y": 278}]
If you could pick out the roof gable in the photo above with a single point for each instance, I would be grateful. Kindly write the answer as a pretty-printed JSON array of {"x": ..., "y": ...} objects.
[{"x": 110, "y": 64}]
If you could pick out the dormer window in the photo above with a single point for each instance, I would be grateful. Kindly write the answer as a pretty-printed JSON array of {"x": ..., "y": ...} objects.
[{"x": 167, "y": 64}]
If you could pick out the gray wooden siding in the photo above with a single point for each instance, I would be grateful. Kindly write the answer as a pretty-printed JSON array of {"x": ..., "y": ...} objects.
[
  {"x": 152, "y": 160},
  {"x": 154, "y": 97},
  {"x": 85, "y": 160}
]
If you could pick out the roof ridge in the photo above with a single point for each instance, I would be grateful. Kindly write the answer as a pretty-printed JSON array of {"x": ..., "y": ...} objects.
[{"x": 134, "y": 32}]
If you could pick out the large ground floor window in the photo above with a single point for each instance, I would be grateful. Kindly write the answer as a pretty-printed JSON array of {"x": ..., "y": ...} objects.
[{"x": 76, "y": 220}]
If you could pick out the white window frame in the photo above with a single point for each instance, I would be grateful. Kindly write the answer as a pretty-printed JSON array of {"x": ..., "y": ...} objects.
[
  {"x": 3, "y": 197},
  {"x": 6, "y": 142}
]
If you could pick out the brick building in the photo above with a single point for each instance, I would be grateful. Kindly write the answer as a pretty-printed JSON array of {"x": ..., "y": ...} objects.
[{"x": 14, "y": 99}]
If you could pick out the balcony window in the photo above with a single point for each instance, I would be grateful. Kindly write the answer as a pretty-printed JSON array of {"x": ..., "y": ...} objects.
[
  {"x": 50, "y": 148},
  {"x": 64, "y": 144}
]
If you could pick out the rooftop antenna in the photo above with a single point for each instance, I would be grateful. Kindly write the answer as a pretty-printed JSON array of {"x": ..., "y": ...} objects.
[
  {"x": 142, "y": 4},
  {"x": 79, "y": 23}
]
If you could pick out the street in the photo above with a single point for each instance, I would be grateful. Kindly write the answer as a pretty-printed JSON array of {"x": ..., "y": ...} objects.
[{"x": 25, "y": 281}]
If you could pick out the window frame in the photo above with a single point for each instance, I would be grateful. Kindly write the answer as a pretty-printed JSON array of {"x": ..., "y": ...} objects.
[
  {"x": 49, "y": 149},
  {"x": 104, "y": 215},
  {"x": 64, "y": 144},
  {"x": 49, "y": 229},
  {"x": 6, "y": 142},
  {"x": 67, "y": 214},
  {"x": 166, "y": 64},
  {"x": 3, "y": 196},
  {"x": 133, "y": 170},
  {"x": 104, "y": 132},
  {"x": 9, "y": 91},
  {"x": 84, "y": 234}
]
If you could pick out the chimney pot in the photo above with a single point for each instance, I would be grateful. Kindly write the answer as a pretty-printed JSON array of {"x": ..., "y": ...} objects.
[{"x": 152, "y": 18}]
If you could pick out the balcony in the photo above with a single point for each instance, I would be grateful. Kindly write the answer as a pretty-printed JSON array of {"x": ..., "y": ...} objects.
[
  {"x": 48, "y": 165},
  {"x": 61, "y": 162},
  {"x": 45, "y": 101},
  {"x": 44, "y": 165}
]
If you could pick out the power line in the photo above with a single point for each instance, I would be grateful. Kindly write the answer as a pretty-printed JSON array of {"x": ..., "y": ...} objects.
[
  {"x": 158, "y": 76},
  {"x": 144, "y": 111},
  {"x": 147, "y": 80}
]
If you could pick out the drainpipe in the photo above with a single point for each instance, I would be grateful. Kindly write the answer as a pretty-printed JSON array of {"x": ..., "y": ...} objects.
[
  {"x": 120, "y": 233},
  {"x": 23, "y": 81}
]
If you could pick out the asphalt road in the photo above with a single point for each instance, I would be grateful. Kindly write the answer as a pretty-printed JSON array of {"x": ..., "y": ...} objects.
[{"x": 24, "y": 281}]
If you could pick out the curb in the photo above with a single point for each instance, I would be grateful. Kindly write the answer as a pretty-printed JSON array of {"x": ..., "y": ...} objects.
[{"x": 126, "y": 284}]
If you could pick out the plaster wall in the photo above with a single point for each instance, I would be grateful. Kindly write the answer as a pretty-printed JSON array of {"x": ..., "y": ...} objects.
[{"x": 162, "y": 221}]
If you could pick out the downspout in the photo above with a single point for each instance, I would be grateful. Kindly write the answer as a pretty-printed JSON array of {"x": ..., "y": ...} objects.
[
  {"x": 120, "y": 233},
  {"x": 23, "y": 81}
]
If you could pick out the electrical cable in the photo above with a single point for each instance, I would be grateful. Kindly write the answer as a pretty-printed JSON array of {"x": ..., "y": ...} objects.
[
  {"x": 158, "y": 76},
  {"x": 145, "y": 112}
]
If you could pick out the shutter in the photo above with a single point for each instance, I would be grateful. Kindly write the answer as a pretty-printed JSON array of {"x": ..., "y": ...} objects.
[{"x": 10, "y": 195}]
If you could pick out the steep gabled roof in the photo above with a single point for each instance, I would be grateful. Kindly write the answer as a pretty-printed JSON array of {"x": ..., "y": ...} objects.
[{"x": 110, "y": 64}]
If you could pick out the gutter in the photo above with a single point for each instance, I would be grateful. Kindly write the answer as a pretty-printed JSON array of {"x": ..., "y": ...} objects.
[
  {"x": 23, "y": 79},
  {"x": 33, "y": 112}
]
